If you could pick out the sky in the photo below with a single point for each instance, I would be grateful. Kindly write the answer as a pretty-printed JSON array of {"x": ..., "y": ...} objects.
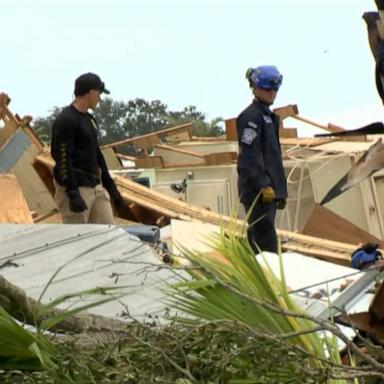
[{"x": 192, "y": 52}]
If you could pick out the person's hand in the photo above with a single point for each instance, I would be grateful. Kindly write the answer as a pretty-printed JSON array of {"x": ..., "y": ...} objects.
[
  {"x": 115, "y": 195},
  {"x": 267, "y": 195},
  {"x": 76, "y": 202},
  {"x": 281, "y": 203}
]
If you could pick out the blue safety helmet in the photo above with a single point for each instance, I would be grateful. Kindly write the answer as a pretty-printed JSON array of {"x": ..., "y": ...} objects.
[
  {"x": 265, "y": 77},
  {"x": 365, "y": 256}
]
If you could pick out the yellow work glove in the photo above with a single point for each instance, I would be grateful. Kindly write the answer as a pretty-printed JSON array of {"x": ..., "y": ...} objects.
[{"x": 267, "y": 195}]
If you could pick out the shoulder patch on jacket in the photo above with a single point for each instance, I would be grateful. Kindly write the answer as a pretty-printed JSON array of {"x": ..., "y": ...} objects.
[
  {"x": 267, "y": 119},
  {"x": 249, "y": 135},
  {"x": 252, "y": 124}
]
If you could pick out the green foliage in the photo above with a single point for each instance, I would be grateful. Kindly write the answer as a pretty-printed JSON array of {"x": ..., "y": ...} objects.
[
  {"x": 200, "y": 126},
  {"x": 242, "y": 330},
  {"x": 21, "y": 349},
  {"x": 233, "y": 286},
  {"x": 119, "y": 120},
  {"x": 43, "y": 125},
  {"x": 177, "y": 353}
]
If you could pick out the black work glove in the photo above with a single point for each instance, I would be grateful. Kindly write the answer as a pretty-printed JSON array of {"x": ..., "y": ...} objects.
[
  {"x": 115, "y": 195},
  {"x": 76, "y": 202},
  {"x": 281, "y": 203}
]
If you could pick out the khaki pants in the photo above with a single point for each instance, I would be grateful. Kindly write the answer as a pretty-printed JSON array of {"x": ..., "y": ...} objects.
[{"x": 97, "y": 200}]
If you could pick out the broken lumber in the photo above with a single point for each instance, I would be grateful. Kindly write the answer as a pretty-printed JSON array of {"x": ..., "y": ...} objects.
[
  {"x": 326, "y": 224},
  {"x": 13, "y": 206},
  {"x": 164, "y": 207},
  {"x": 13, "y": 122},
  {"x": 150, "y": 139},
  {"x": 291, "y": 110}
]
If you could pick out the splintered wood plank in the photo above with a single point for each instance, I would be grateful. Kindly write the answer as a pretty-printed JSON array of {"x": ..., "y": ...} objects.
[
  {"x": 288, "y": 132},
  {"x": 180, "y": 150},
  {"x": 149, "y": 162},
  {"x": 178, "y": 137},
  {"x": 12, "y": 122},
  {"x": 175, "y": 155},
  {"x": 286, "y": 111},
  {"x": 9, "y": 120},
  {"x": 13, "y": 206},
  {"x": 146, "y": 142},
  {"x": 231, "y": 129},
  {"x": 326, "y": 224},
  {"x": 149, "y": 139},
  {"x": 305, "y": 142},
  {"x": 221, "y": 158},
  {"x": 329, "y": 127}
]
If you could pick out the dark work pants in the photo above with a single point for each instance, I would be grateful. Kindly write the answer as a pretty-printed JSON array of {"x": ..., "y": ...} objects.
[{"x": 262, "y": 232}]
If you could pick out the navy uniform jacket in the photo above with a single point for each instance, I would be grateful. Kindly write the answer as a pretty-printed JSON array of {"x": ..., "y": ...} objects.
[{"x": 260, "y": 162}]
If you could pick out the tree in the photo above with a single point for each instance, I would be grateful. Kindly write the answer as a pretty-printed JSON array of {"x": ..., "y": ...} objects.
[
  {"x": 43, "y": 125},
  {"x": 200, "y": 126},
  {"x": 119, "y": 120}
]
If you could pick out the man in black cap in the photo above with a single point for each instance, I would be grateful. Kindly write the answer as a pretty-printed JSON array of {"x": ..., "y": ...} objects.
[{"x": 84, "y": 187}]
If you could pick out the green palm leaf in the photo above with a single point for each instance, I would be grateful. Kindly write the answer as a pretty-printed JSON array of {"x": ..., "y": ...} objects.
[{"x": 230, "y": 283}]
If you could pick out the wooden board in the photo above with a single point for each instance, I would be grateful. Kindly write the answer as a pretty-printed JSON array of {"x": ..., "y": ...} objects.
[
  {"x": 11, "y": 122},
  {"x": 220, "y": 158},
  {"x": 173, "y": 156},
  {"x": 288, "y": 132},
  {"x": 150, "y": 139},
  {"x": 305, "y": 141},
  {"x": 13, "y": 206},
  {"x": 178, "y": 137},
  {"x": 160, "y": 205},
  {"x": 149, "y": 162},
  {"x": 111, "y": 158},
  {"x": 179, "y": 150},
  {"x": 326, "y": 224},
  {"x": 231, "y": 129},
  {"x": 36, "y": 193},
  {"x": 286, "y": 111}
]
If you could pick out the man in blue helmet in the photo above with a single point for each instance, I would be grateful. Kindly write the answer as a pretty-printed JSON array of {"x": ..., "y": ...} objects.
[{"x": 262, "y": 183}]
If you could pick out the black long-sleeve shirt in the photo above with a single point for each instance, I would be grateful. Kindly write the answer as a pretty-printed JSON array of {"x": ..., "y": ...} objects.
[
  {"x": 76, "y": 151},
  {"x": 260, "y": 162}
]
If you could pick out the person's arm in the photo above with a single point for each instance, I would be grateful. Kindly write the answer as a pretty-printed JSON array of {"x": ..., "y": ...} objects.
[
  {"x": 379, "y": 70},
  {"x": 107, "y": 180},
  {"x": 250, "y": 147},
  {"x": 62, "y": 148}
]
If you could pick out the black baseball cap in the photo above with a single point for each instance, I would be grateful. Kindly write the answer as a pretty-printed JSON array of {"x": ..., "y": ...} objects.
[{"x": 87, "y": 82}]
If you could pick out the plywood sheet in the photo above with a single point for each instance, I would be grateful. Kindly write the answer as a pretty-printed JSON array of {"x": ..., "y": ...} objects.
[
  {"x": 113, "y": 161},
  {"x": 327, "y": 172},
  {"x": 328, "y": 225},
  {"x": 13, "y": 207},
  {"x": 35, "y": 191}
]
